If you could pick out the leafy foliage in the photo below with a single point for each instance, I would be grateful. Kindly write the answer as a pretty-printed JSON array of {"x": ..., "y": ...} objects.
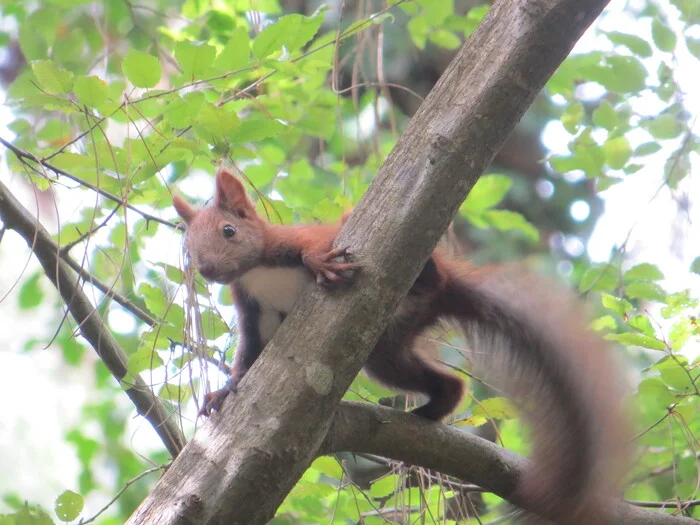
[{"x": 119, "y": 105}]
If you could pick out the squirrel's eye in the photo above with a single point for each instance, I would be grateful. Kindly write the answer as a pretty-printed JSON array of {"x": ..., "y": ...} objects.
[{"x": 229, "y": 231}]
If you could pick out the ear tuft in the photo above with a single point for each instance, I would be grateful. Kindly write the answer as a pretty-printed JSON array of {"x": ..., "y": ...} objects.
[
  {"x": 231, "y": 195},
  {"x": 184, "y": 210}
]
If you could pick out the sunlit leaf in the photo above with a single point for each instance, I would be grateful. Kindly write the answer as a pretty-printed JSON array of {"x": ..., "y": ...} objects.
[
  {"x": 68, "y": 505},
  {"x": 664, "y": 37},
  {"x": 195, "y": 59},
  {"x": 632, "y": 339},
  {"x": 52, "y": 78},
  {"x": 142, "y": 70}
]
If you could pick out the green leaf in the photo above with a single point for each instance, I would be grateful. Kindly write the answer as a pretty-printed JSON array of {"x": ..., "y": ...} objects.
[
  {"x": 175, "y": 392},
  {"x": 236, "y": 53},
  {"x": 616, "y": 304},
  {"x": 28, "y": 515},
  {"x": 419, "y": 29},
  {"x": 155, "y": 300},
  {"x": 693, "y": 44},
  {"x": 604, "y": 182},
  {"x": 677, "y": 303},
  {"x": 216, "y": 123},
  {"x": 145, "y": 358},
  {"x": 292, "y": 31},
  {"x": 319, "y": 122},
  {"x": 52, "y": 79},
  {"x": 195, "y": 59},
  {"x": 68, "y": 506},
  {"x": 142, "y": 70},
  {"x": 506, "y": 220},
  {"x": 33, "y": 44},
  {"x": 436, "y": 13},
  {"x": 67, "y": 49},
  {"x": 695, "y": 265},
  {"x": 620, "y": 74},
  {"x": 31, "y": 294},
  {"x": 637, "y": 45},
  {"x": 648, "y": 148},
  {"x": 91, "y": 91},
  {"x": 572, "y": 117},
  {"x": 644, "y": 272},
  {"x": 445, "y": 39},
  {"x": 257, "y": 129},
  {"x": 680, "y": 333},
  {"x": 663, "y": 36},
  {"x": 605, "y": 116},
  {"x": 599, "y": 277},
  {"x": 182, "y": 112},
  {"x": 674, "y": 372},
  {"x": 606, "y": 322},
  {"x": 488, "y": 191},
  {"x": 308, "y": 27},
  {"x": 654, "y": 393},
  {"x": 631, "y": 339},
  {"x": 645, "y": 290},
  {"x": 494, "y": 408},
  {"x": 642, "y": 324},
  {"x": 213, "y": 325},
  {"x": 384, "y": 486},
  {"x": 471, "y": 421},
  {"x": 617, "y": 152},
  {"x": 664, "y": 127}
]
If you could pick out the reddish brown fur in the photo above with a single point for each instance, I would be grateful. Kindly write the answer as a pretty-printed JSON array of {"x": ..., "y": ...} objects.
[{"x": 535, "y": 339}]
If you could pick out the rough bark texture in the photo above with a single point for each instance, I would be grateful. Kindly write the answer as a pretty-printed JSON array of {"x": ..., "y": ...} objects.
[
  {"x": 399, "y": 435},
  {"x": 244, "y": 461}
]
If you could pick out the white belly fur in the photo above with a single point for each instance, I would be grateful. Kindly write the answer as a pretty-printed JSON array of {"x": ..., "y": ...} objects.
[{"x": 276, "y": 288}]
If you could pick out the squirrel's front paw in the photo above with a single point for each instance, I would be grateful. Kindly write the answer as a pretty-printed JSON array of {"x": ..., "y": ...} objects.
[
  {"x": 214, "y": 400},
  {"x": 330, "y": 272}
]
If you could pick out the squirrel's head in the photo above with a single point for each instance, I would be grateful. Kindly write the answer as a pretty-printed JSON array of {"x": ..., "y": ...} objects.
[{"x": 225, "y": 239}]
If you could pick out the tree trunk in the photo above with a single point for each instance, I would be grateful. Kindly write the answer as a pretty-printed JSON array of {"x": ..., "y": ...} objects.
[{"x": 245, "y": 460}]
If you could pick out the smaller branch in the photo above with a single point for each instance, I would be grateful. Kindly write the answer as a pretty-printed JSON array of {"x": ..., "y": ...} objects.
[
  {"x": 92, "y": 327},
  {"x": 680, "y": 504},
  {"x": 109, "y": 291},
  {"x": 371, "y": 429},
  {"x": 22, "y": 155},
  {"x": 66, "y": 248}
]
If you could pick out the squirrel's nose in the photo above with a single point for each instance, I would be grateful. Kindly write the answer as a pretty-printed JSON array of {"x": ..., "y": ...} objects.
[{"x": 207, "y": 270}]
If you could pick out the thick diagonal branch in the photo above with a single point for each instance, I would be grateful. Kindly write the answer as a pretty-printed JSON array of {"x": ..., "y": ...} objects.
[{"x": 17, "y": 218}]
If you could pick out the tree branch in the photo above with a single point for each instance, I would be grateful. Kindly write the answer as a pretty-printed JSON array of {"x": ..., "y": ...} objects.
[
  {"x": 371, "y": 429},
  {"x": 24, "y": 156},
  {"x": 17, "y": 218},
  {"x": 286, "y": 401}
]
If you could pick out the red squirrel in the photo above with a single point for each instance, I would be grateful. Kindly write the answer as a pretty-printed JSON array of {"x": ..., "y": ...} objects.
[{"x": 533, "y": 339}]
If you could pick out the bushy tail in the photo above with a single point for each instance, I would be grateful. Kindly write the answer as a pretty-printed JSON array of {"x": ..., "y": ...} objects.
[{"x": 531, "y": 342}]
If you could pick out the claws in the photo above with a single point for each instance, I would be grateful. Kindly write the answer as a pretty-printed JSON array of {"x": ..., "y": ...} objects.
[
  {"x": 214, "y": 400},
  {"x": 331, "y": 273}
]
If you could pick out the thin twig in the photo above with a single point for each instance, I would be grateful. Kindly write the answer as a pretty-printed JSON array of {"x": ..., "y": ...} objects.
[
  {"x": 24, "y": 154},
  {"x": 121, "y": 491}
]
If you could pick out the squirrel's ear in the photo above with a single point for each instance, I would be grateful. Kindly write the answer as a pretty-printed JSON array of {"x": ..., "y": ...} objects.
[
  {"x": 231, "y": 195},
  {"x": 184, "y": 210}
]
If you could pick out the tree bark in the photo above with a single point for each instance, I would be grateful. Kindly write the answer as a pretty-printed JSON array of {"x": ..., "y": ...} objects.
[
  {"x": 369, "y": 429},
  {"x": 246, "y": 459}
]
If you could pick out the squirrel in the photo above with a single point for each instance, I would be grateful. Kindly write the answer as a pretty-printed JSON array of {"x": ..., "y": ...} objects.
[{"x": 532, "y": 340}]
